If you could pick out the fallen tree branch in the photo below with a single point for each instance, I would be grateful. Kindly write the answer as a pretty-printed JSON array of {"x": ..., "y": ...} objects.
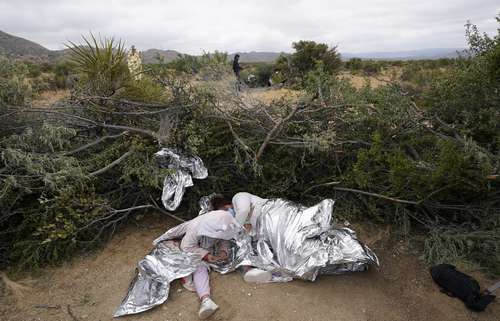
[
  {"x": 304, "y": 142},
  {"x": 111, "y": 165},
  {"x": 95, "y": 142},
  {"x": 273, "y": 131},
  {"x": 123, "y": 101},
  {"x": 113, "y": 212},
  {"x": 320, "y": 185},
  {"x": 7, "y": 114},
  {"x": 158, "y": 208},
  {"x": 238, "y": 139},
  {"x": 136, "y": 113},
  {"x": 392, "y": 199},
  {"x": 456, "y": 134},
  {"x": 169, "y": 214},
  {"x": 46, "y": 111},
  {"x": 416, "y": 203},
  {"x": 103, "y": 125},
  {"x": 133, "y": 129}
]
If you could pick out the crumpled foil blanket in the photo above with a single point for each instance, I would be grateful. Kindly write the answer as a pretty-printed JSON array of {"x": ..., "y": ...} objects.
[
  {"x": 155, "y": 272},
  {"x": 292, "y": 241},
  {"x": 184, "y": 168}
]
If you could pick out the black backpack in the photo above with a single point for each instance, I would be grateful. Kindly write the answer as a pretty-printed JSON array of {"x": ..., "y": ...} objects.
[{"x": 457, "y": 284}]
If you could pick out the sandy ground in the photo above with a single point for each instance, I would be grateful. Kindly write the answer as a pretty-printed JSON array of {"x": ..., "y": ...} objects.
[{"x": 93, "y": 286}]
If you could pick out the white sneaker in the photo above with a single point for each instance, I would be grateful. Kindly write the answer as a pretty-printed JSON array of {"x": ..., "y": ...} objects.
[
  {"x": 257, "y": 276},
  {"x": 207, "y": 308}
]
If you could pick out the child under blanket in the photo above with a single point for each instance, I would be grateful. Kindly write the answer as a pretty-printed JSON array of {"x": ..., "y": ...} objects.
[
  {"x": 207, "y": 235},
  {"x": 218, "y": 254}
]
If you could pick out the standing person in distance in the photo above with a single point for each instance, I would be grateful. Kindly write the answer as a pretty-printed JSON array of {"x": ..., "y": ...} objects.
[{"x": 237, "y": 68}]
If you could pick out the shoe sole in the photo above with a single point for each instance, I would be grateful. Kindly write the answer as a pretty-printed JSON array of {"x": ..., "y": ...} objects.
[
  {"x": 258, "y": 278},
  {"x": 207, "y": 313}
]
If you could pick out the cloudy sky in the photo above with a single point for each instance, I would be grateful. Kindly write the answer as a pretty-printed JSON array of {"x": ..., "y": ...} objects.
[{"x": 262, "y": 25}]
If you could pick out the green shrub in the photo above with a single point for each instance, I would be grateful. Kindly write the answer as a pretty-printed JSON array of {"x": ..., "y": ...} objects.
[
  {"x": 63, "y": 75},
  {"x": 14, "y": 85},
  {"x": 195, "y": 64},
  {"x": 101, "y": 64},
  {"x": 354, "y": 64},
  {"x": 371, "y": 67},
  {"x": 296, "y": 66},
  {"x": 49, "y": 197},
  {"x": 144, "y": 90}
]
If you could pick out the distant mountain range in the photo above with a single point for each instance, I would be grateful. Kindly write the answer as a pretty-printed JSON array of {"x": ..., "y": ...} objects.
[
  {"x": 18, "y": 47},
  {"x": 151, "y": 55},
  {"x": 432, "y": 53},
  {"x": 24, "y": 49},
  {"x": 257, "y": 56}
]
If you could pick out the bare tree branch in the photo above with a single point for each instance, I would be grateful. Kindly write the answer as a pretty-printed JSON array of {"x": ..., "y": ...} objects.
[
  {"x": 111, "y": 165},
  {"x": 273, "y": 131},
  {"x": 95, "y": 142},
  {"x": 86, "y": 120},
  {"x": 7, "y": 114},
  {"x": 133, "y": 129},
  {"x": 319, "y": 185},
  {"x": 158, "y": 208},
  {"x": 140, "y": 113},
  {"x": 125, "y": 102},
  {"x": 48, "y": 111},
  {"x": 169, "y": 214},
  {"x": 392, "y": 199},
  {"x": 416, "y": 203},
  {"x": 238, "y": 139}
]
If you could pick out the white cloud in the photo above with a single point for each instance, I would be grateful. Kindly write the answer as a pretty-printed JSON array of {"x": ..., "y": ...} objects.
[{"x": 192, "y": 26}]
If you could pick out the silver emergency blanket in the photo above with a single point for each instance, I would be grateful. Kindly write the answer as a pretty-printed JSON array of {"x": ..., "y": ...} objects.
[
  {"x": 291, "y": 241},
  {"x": 205, "y": 203},
  {"x": 184, "y": 168},
  {"x": 155, "y": 272}
]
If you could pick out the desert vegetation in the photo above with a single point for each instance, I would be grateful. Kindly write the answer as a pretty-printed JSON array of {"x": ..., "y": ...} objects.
[{"x": 420, "y": 153}]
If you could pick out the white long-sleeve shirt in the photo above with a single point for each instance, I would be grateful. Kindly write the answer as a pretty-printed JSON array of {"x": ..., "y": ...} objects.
[
  {"x": 215, "y": 224},
  {"x": 247, "y": 207}
]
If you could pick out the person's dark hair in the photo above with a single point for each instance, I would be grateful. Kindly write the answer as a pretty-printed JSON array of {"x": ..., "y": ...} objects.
[
  {"x": 237, "y": 56},
  {"x": 219, "y": 201}
]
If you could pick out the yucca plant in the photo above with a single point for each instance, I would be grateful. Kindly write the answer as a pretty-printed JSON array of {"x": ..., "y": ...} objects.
[{"x": 102, "y": 64}]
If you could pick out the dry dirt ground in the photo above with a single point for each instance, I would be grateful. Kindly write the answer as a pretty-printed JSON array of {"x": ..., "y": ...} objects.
[
  {"x": 385, "y": 77},
  {"x": 93, "y": 286},
  {"x": 268, "y": 95},
  {"x": 49, "y": 97}
]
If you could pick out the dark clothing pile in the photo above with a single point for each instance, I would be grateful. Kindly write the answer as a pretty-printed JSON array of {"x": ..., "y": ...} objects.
[{"x": 457, "y": 284}]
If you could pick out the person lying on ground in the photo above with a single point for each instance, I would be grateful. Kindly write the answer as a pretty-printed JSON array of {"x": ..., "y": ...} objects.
[
  {"x": 208, "y": 236},
  {"x": 245, "y": 207}
]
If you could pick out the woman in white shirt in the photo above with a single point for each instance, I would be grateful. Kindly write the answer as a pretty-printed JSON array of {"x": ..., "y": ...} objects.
[{"x": 247, "y": 209}]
